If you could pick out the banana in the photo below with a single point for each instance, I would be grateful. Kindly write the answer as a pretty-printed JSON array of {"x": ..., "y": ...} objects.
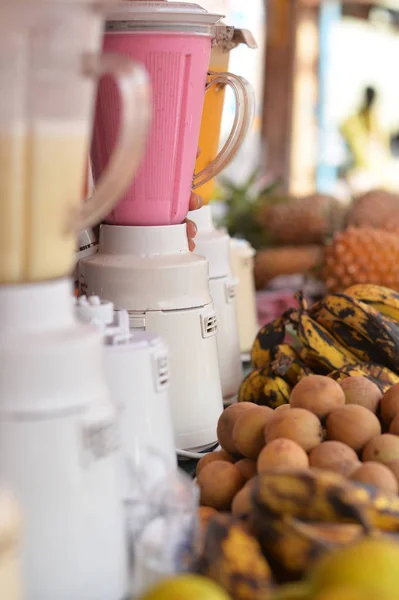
[
  {"x": 287, "y": 365},
  {"x": 291, "y": 546},
  {"x": 269, "y": 336},
  {"x": 322, "y": 348},
  {"x": 376, "y": 337},
  {"x": 381, "y": 376},
  {"x": 232, "y": 558},
  {"x": 383, "y": 299},
  {"x": 324, "y": 496},
  {"x": 264, "y": 388}
]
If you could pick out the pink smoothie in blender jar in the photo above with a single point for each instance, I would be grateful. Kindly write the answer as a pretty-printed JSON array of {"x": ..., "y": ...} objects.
[{"x": 173, "y": 41}]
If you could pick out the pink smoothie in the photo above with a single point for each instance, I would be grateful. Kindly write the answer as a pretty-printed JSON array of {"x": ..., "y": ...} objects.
[{"x": 178, "y": 65}]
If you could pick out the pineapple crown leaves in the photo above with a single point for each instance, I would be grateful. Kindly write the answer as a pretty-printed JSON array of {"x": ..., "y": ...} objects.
[{"x": 243, "y": 203}]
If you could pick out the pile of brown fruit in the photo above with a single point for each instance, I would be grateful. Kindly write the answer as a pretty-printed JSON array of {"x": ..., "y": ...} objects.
[{"x": 347, "y": 427}]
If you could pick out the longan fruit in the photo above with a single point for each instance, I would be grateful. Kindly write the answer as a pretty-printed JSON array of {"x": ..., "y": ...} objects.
[
  {"x": 296, "y": 424},
  {"x": 219, "y": 482},
  {"x": 242, "y": 503},
  {"x": 390, "y": 404},
  {"x": 361, "y": 391},
  {"x": 382, "y": 448},
  {"x": 211, "y": 457},
  {"x": 376, "y": 474},
  {"x": 394, "y": 467},
  {"x": 318, "y": 394},
  {"x": 247, "y": 468},
  {"x": 282, "y": 407},
  {"x": 248, "y": 430},
  {"x": 334, "y": 456},
  {"x": 226, "y": 423},
  {"x": 353, "y": 425},
  {"x": 282, "y": 452},
  {"x": 394, "y": 426}
]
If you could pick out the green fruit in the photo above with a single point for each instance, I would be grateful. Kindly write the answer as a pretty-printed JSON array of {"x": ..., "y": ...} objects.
[
  {"x": 186, "y": 587},
  {"x": 371, "y": 564}
]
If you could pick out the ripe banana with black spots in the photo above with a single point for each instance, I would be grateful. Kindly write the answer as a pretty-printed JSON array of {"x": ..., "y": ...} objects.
[
  {"x": 381, "y": 376},
  {"x": 321, "y": 347},
  {"x": 376, "y": 338},
  {"x": 288, "y": 365},
  {"x": 232, "y": 558},
  {"x": 383, "y": 299},
  {"x": 262, "y": 387},
  {"x": 323, "y": 496},
  {"x": 269, "y": 336}
]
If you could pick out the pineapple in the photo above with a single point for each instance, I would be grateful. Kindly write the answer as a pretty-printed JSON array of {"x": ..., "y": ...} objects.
[
  {"x": 300, "y": 221},
  {"x": 377, "y": 208},
  {"x": 361, "y": 255}
]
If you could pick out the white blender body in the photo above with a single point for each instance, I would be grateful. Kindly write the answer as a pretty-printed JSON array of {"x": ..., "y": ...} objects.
[
  {"x": 150, "y": 272},
  {"x": 59, "y": 446},
  {"x": 215, "y": 246},
  {"x": 242, "y": 262},
  {"x": 137, "y": 374}
]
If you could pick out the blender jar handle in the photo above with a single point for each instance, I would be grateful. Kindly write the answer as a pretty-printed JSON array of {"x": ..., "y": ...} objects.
[
  {"x": 245, "y": 109},
  {"x": 134, "y": 89}
]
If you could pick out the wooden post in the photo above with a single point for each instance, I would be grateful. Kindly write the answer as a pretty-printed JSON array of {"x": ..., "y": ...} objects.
[{"x": 290, "y": 95}]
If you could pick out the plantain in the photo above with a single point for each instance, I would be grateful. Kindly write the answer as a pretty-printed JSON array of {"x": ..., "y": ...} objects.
[
  {"x": 262, "y": 387},
  {"x": 324, "y": 496},
  {"x": 382, "y": 299},
  {"x": 232, "y": 558},
  {"x": 270, "y": 336},
  {"x": 322, "y": 348},
  {"x": 383, "y": 377},
  {"x": 376, "y": 336},
  {"x": 288, "y": 365},
  {"x": 292, "y": 546}
]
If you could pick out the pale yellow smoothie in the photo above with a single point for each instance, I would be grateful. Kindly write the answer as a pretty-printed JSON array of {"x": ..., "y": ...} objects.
[{"x": 42, "y": 174}]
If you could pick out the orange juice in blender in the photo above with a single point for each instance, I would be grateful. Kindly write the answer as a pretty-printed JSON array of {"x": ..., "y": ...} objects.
[{"x": 213, "y": 109}]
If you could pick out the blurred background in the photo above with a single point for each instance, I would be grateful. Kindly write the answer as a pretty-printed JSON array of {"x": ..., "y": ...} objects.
[{"x": 323, "y": 153}]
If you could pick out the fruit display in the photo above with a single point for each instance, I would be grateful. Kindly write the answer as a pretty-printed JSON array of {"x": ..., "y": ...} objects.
[
  {"x": 304, "y": 491},
  {"x": 285, "y": 260}
]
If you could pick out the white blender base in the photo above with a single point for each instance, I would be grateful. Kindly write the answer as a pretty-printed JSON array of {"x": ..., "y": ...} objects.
[
  {"x": 59, "y": 448},
  {"x": 137, "y": 371},
  {"x": 215, "y": 246},
  {"x": 149, "y": 272}
]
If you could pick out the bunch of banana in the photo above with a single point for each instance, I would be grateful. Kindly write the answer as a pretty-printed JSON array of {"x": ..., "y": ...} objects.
[
  {"x": 233, "y": 559},
  {"x": 382, "y": 299},
  {"x": 291, "y": 546},
  {"x": 270, "y": 336},
  {"x": 287, "y": 364},
  {"x": 383, "y": 377},
  {"x": 324, "y": 497},
  {"x": 265, "y": 388},
  {"x": 323, "y": 351},
  {"x": 366, "y": 332}
]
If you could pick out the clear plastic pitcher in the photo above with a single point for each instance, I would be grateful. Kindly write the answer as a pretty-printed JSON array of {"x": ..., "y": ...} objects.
[
  {"x": 50, "y": 62},
  {"x": 174, "y": 41}
]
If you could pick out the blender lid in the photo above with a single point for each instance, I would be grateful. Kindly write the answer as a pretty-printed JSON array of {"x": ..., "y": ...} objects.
[{"x": 163, "y": 11}]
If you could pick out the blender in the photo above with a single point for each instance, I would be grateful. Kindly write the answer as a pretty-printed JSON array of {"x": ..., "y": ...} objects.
[
  {"x": 226, "y": 286},
  {"x": 136, "y": 367},
  {"x": 143, "y": 263},
  {"x": 214, "y": 244},
  {"x": 59, "y": 447}
]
